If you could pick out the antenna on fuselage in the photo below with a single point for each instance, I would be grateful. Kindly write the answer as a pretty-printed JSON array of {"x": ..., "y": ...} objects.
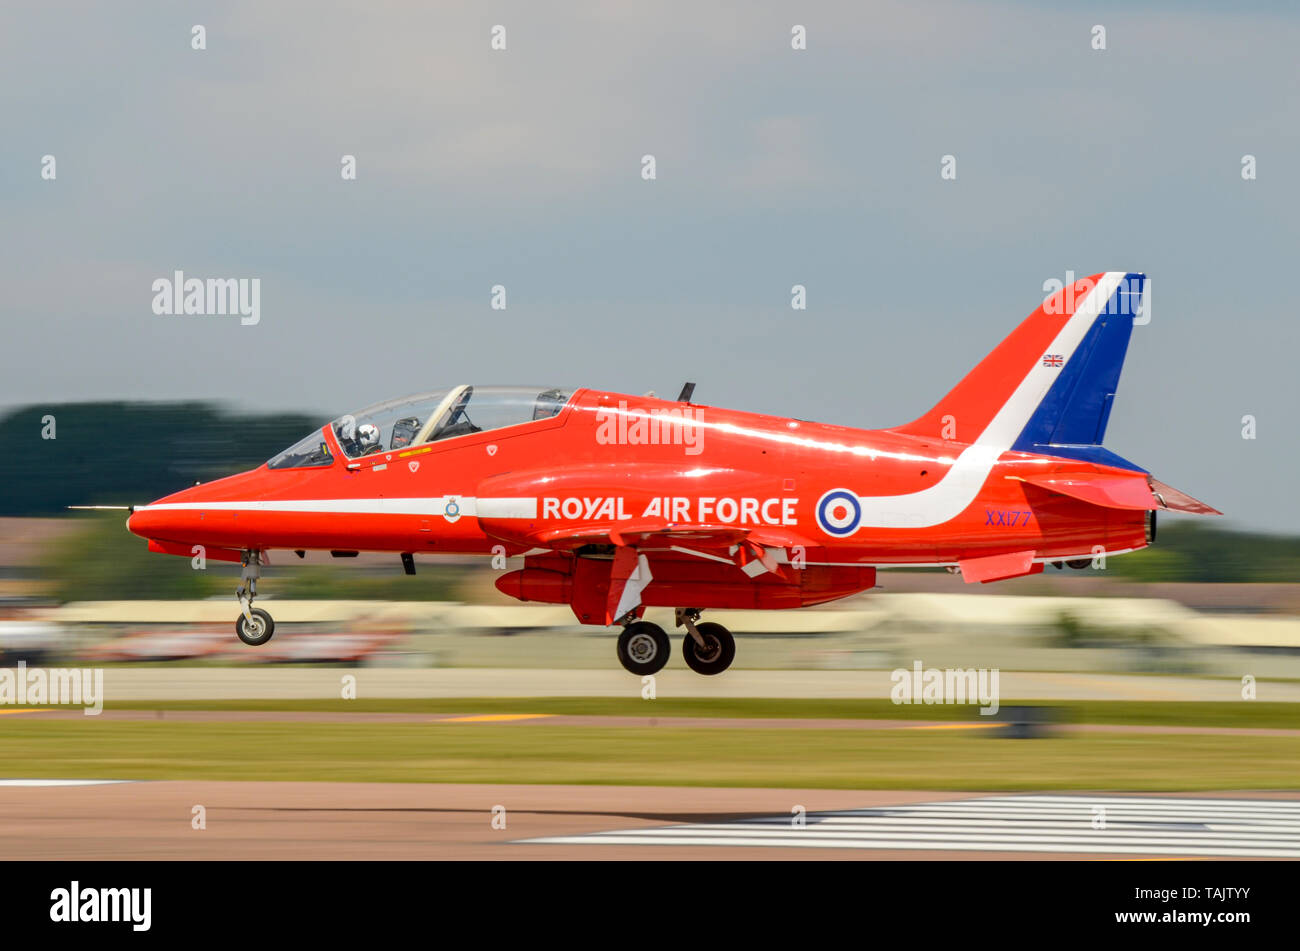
[{"x": 688, "y": 390}]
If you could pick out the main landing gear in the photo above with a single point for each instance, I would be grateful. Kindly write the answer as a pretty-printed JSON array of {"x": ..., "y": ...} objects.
[
  {"x": 643, "y": 648},
  {"x": 707, "y": 648},
  {"x": 254, "y": 626}
]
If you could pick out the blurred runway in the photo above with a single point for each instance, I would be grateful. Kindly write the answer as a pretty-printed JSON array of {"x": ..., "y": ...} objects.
[
  {"x": 216, "y": 683},
  {"x": 157, "y": 820},
  {"x": 1087, "y": 825},
  {"x": 668, "y": 722}
]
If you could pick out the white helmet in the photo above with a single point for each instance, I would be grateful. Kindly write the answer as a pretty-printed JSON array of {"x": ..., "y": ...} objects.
[{"x": 368, "y": 436}]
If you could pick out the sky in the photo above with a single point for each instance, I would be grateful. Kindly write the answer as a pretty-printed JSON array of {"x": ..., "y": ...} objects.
[{"x": 523, "y": 167}]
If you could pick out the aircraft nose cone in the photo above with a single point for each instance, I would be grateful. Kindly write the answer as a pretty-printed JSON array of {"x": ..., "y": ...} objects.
[
  {"x": 159, "y": 519},
  {"x": 148, "y": 522}
]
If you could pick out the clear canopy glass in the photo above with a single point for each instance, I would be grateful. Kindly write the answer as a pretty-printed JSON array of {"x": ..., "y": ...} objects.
[
  {"x": 393, "y": 424},
  {"x": 424, "y": 418},
  {"x": 444, "y": 414},
  {"x": 310, "y": 451}
]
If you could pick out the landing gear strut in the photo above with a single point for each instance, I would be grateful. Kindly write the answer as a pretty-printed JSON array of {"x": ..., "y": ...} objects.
[
  {"x": 254, "y": 626},
  {"x": 707, "y": 648}
]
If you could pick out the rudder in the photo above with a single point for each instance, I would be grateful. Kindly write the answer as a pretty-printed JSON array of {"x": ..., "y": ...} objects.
[{"x": 1049, "y": 386}]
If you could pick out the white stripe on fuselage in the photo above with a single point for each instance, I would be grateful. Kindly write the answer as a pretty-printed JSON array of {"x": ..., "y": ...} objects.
[
  {"x": 951, "y": 495},
  {"x": 467, "y": 505}
]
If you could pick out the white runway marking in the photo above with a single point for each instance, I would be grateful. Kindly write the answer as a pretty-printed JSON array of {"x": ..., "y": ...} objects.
[
  {"x": 60, "y": 782},
  {"x": 1255, "y": 828}
]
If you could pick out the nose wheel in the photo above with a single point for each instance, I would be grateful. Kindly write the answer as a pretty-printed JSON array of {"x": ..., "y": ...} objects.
[
  {"x": 253, "y": 626},
  {"x": 643, "y": 648},
  {"x": 256, "y": 628}
]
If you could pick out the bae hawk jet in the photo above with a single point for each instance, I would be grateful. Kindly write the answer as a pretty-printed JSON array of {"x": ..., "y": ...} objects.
[{"x": 616, "y": 503}]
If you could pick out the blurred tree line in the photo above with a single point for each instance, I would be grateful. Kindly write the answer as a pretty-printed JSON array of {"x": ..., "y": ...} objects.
[
  {"x": 124, "y": 453},
  {"x": 1196, "y": 549}
]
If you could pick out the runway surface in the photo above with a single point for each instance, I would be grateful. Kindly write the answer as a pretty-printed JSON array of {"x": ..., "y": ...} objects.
[
  {"x": 261, "y": 820},
  {"x": 1090, "y": 825},
  {"x": 213, "y": 683},
  {"x": 550, "y": 719}
]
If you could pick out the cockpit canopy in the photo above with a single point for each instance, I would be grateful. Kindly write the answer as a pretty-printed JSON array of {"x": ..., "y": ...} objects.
[{"x": 425, "y": 418}]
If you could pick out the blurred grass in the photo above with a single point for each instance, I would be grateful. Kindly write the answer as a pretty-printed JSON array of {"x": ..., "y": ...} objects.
[
  {"x": 1139, "y": 713},
  {"x": 105, "y": 562},
  {"x": 532, "y": 753}
]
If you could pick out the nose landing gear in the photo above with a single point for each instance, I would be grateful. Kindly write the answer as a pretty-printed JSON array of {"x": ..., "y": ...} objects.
[{"x": 253, "y": 626}]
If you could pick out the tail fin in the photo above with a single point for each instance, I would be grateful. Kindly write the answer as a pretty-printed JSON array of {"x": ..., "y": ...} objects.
[{"x": 1048, "y": 387}]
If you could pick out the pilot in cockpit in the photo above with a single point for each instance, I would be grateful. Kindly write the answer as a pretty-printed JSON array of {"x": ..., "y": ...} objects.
[{"x": 368, "y": 439}]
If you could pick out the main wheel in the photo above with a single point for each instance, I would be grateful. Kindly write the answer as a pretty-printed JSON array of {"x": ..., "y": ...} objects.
[
  {"x": 716, "y": 655},
  {"x": 643, "y": 648},
  {"x": 256, "y": 632}
]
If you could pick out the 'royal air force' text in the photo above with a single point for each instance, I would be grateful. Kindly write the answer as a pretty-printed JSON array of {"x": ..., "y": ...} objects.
[{"x": 727, "y": 511}]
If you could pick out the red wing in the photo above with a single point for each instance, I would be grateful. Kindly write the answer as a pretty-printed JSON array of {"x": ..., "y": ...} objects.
[
  {"x": 657, "y": 534},
  {"x": 750, "y": 549}
]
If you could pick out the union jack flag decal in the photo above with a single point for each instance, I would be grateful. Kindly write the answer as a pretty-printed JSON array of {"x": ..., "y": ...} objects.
[{"x": 1052, "y": 360}]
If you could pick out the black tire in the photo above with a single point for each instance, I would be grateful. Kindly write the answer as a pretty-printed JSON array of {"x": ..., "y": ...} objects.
[
  {"x": 643, "y": 648},
  {"x": 257, "y": 633},
  {"x": 719, "y": 652},
  {"x": 1079, "y": 564}
]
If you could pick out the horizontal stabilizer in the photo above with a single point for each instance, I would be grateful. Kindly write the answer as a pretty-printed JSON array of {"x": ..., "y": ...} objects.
[
  {"x": 1118, "y": 490},
  {"x": 1177, "y": 501},
  {"x": 1112, "y": 491}
]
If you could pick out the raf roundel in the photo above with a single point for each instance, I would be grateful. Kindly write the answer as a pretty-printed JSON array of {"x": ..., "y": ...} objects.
[{"x": 839, "y": 512}]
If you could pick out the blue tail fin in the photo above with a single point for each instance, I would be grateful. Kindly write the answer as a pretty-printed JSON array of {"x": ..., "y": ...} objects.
[{"x": 1070, "y": 421}]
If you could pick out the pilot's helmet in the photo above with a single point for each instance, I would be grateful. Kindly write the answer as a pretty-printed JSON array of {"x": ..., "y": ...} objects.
[{"x": 368, "y": 436}]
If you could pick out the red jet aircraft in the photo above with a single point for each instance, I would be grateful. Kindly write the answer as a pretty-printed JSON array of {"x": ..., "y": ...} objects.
[{"x": 620, "y": 502}]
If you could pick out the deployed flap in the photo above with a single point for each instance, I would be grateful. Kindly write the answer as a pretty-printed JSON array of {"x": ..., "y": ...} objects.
[
  {"x": 629, "y": 575},
  {"x": 998, "y": 567},
  {"x": 1109, "y": 490}
]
